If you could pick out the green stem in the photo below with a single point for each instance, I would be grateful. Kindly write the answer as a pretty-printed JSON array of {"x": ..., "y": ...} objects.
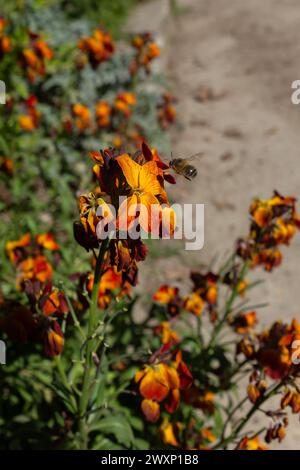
[
  {"x": 228, "y": 306},
  {"x": 85, "y": 393}
]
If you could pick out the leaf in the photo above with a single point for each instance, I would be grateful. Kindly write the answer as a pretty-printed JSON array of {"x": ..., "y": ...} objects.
[{"x": 118, "y": 426}]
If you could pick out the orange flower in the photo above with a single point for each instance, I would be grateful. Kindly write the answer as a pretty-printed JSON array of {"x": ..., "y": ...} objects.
[
  {"x": 243, "y": 322},
  {"x": 169, "y": 296},
  {"x": 7, "y": 165},
  {"x": 168, "y": 336},
  {"x": 110, "y": 280},
  {"x": 168, "y": 432},
  {"x": 54, "y": 303},
  {"x": 31, "y": 119},
  {"x": 124, "y": 103},
  {"x": 13, "y": 247},
  {"x": 47, "y": 241},
  {"x": 151, "y": 410},
  {"x": 98, "y": 48},
  {"x": 103, "y": 113},
  {"x": 194, "y": 304},
  {"x": 251, "y": 444},
  {"x": 146, "y": 194},
  {"x": 165, "y": 294},
  {"x": 82, "y": 116},
  {"x": 156, "y": 381},
  {"x": 34, "y": 268},
  {"x": 53, "y": 340}
]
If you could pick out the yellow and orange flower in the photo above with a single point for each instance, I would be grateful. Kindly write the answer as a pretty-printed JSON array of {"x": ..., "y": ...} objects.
[
  {"x": 82, "y": 117},
  {"x": 143, "y": 203},
  {"x": 124, "y": 103},
  {"x": 47, "y": 241},
  {"x": 103, "y": 114},
  {"x": 194, "y": 303},
  {"x": 34, "y": 58},
  {"x": 97, "y": 48},
  {"x": 34, "y": 268},
  {"x": 243, "y": 322},
  {"x": 168, "y": 336},
  {"x": 31, "y": 119},
  {"x": 7, "y": 166},
  {"x": 13, "y": 248},
  {"x": 251, "y": 444}
]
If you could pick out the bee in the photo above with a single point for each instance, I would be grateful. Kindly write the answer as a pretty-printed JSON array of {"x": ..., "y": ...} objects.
[{"x": 183, "y": 167}]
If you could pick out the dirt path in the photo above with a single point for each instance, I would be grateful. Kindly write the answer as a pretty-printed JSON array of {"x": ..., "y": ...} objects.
[{"x": 232, "y": 66}]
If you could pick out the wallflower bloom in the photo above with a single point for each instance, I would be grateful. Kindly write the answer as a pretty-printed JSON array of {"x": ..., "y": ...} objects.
[
  {"x": 15, "y": 249},
  {"x": 34, "y": 268},
  {"x": 34, "y": 58},
  {"x": 53, "y": 340},
  {"x": 243, "y": 322},
  {"x": 146, "y": 194},
  {"x": 7, "y": 166},
  {"x": 169, "y": 296},
  {"x": 103, "y": 114},
  {"x": 82, "y": 116},
  {"x": 124, "y": 103},
  {"x": 5, "y": 41},
  {"x": 169, "y": 431},
  {"x": 168, "y": 336},
  {"x": 97, "y": 48},
  {"x": 31, "y": 119},
  {"x": 146, "y": 51},
  {"x": 251, "y": 444},
  {"x": 274, "y": 222},
  {"x": 194, "y": 303}
]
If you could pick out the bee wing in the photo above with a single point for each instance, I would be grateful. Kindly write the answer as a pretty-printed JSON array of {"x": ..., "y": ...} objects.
[{"x": 194, "y": 156}]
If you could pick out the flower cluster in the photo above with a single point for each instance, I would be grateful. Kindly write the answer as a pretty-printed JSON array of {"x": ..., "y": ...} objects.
[
  {"x": 34, "y": 58},
  {"x": 204, "y": 294},
  {"x": 47, "y": 305},
  {"x": 274, "y": 223},
  {"x": 146, "y": 51},
  {"x": 96, "y": 48},
  {"x": 161, "y": 382},
  {"x": 130, "y": 198}
]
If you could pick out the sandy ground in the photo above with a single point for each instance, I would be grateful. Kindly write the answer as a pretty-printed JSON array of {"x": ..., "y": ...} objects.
[{"x": 232, "y": 65}]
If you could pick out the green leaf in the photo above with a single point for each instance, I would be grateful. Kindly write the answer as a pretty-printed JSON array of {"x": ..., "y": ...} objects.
[{"x": 118, "y": 426}]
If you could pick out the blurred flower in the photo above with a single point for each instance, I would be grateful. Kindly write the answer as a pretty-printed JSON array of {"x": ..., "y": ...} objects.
[
  {"x": 168, "y": 336},
  {"x": 31, "y": 119},
  {"x": 243, "y": 322},
  {"x": 166, "y": 110},
  {"x": 146, "y": 51},
  {"x": 34, "y": 268},
  {"x": 194, "y": 303},
  {"x": 98, "y": 48},
  {"x": 53, "y": 340},
  {"x": 169, "y": 296},
  {"x": 274, "y": 222},
  {"x": 169, "y": 431},
  {"x": 82, "y": 117},
  {"x": 251, "y": 444},
  {"x": 7, "y": 165},
  {"x": 15, "y": 249},
  {"x": 33, "y": 58},
  {"x": 103, "y": 114},
  {"x": 124, "y": 103}
]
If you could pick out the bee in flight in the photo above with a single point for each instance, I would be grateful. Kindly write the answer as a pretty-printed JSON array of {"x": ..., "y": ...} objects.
[{"x": 182, "y": 166}]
